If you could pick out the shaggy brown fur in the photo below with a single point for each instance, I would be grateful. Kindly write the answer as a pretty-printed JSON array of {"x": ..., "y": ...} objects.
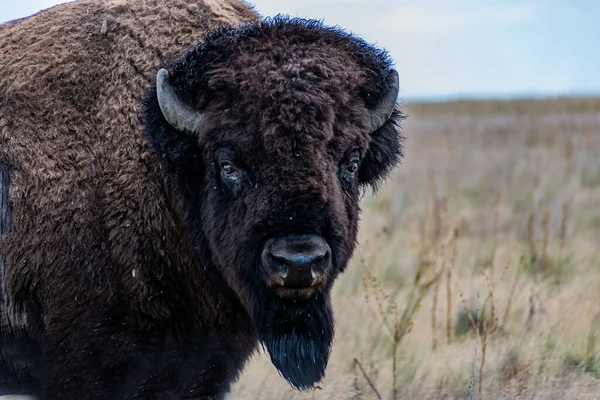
[
  {"x": 132, "y": 265},
  {"x": 89, "y": 198}
]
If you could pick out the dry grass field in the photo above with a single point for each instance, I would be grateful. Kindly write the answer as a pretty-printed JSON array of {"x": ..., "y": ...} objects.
[{"x": 492, "y": 221}]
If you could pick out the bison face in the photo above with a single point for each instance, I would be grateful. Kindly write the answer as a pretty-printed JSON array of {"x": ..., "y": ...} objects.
[{"x": 271, "y": 131}]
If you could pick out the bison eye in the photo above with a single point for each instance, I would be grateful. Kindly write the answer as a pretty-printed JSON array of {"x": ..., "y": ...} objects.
[
  {"x": 352, "y": 167},
  {"x": 227, "y": 168},
  {"x": 229, "y": 172},
  {"x": 349, "y": 170}
]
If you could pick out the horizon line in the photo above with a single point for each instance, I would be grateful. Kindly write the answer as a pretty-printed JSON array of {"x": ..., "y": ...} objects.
[{"x": 490, "y": 96}]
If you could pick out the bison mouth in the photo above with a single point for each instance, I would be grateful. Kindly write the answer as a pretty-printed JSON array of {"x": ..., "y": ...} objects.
[
  {"x": 295, "y": 294},
  {"x": 297, "y": 336}
]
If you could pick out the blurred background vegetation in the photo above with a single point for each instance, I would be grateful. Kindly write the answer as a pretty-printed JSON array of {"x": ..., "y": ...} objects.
[{"x": 478, "y": 263}]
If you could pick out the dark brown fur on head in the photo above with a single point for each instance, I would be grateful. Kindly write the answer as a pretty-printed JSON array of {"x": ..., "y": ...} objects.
[{"x": 287, "y": 101}]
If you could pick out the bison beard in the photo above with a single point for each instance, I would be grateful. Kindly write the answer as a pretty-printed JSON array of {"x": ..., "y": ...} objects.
[{"x": 298, "y": 337}]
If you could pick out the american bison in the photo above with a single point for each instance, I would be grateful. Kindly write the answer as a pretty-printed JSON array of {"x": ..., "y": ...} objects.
[{"x": 180, "y": 183}]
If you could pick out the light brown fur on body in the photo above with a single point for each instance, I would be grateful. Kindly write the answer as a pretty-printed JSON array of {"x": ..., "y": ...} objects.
[{"x": 71, "y": 135}]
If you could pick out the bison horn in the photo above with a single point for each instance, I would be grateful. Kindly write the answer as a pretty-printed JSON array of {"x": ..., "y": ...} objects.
[
  {"x": 384, "y": 108},
  {"x": 180, "y": 115}
]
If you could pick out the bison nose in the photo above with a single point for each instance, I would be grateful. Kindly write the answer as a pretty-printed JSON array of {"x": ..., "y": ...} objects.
[{"x": 297, "y": 261}]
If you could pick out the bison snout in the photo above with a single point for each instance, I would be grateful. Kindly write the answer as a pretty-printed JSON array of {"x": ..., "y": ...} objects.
[{"x": 297, "y": 261}]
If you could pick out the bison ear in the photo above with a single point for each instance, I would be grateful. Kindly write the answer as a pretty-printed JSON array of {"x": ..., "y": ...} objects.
[{"x": 385, "y": 147}]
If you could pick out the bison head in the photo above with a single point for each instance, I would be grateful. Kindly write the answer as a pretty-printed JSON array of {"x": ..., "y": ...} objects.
[{"x": 271, "y": 131}]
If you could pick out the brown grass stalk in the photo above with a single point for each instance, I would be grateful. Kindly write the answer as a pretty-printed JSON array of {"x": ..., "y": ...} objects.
[
  {"x": 369, "y": 380},
  {"x": 507, "y": 265},
  {"x": 423, "y": 242},
  {"x": 563, "y": 232},
  {"x": 468, "y": 310},
  {"x": 449, "y": 306},
  {"x": 569, "y": 160},
  {"x": 484, "y": 332},
  {"x": 357, "y": 395},
  {"x": 437, "y": 215},
  {"x": 450, "y": 267},
  {"x": 493, "y": 254},
  {"x": 531, "y": 237},
  {"x": 436, "y": 289},
  {"x": 531, "y": 315},
  {"x": 472, "y": 384},
  {"x": 545, "y": 231},
  {"x": 399, "y": 325},
  {"x": 512, "y": 292},
  {"x": 395, "y": 369}
]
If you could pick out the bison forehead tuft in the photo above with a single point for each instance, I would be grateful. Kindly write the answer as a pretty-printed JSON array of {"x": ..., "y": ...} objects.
[{"x": 301, "y": 81}]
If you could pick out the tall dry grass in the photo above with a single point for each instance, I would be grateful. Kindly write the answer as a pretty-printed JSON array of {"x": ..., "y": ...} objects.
[{"x": 478, "y": 273}]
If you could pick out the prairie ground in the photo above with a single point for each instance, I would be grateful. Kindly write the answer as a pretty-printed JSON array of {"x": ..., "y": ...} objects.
[{"x": 478, "y": 269}]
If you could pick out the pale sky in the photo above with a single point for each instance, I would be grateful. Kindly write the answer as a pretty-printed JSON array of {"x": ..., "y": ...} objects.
[{"x": 464, "y": 48}]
